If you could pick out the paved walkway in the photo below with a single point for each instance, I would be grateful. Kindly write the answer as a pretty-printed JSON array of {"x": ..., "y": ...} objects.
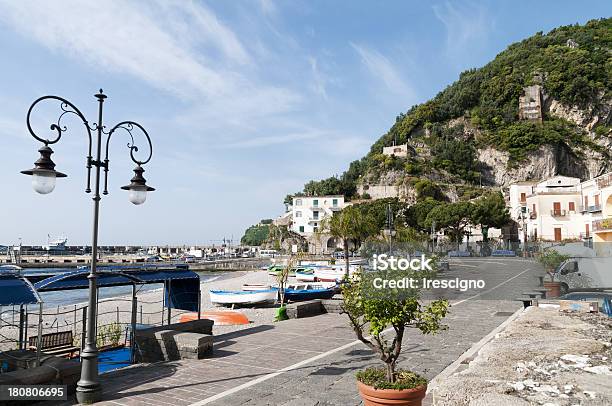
[{"x": 312, "y": 361}]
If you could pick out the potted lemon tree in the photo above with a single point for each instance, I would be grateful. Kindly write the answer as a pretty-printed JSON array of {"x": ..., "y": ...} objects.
[
  {"x": 551, "y": 260},
  {"x": 379, "y": 320}
]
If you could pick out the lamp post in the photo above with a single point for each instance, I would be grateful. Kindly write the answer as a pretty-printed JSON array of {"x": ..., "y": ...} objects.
[
  {"x": 523, "y": 219},
  {"x": 389, "y": 229},
  {"x": 44, "y": 177}
]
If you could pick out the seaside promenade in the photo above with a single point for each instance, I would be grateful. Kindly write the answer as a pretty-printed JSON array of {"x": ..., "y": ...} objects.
[{"x": 313, "y": 361}]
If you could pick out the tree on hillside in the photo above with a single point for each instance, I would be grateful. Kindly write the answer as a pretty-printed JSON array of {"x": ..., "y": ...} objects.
[
  {"x": 490, "y": 211},
  {"x": 349, "y": 225},
  {"x": 256, "y": 235},
  {"x": 377, "y": 209},
  {"x": 416, "y": 215},
  {"x": 426, "y": 188},
  {"x": 452, "y": 217}
]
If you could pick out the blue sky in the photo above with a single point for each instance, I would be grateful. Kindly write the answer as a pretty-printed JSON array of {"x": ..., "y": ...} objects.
[{"x": 245, "y": 100}]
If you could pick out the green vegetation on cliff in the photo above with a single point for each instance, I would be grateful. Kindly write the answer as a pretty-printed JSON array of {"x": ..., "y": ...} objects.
[{"x": 573, "y": 64}]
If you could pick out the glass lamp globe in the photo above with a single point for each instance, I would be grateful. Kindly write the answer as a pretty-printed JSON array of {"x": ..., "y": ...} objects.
[
  {"x": 43, "y": 183},
  {"x": 137, "y": 195}
]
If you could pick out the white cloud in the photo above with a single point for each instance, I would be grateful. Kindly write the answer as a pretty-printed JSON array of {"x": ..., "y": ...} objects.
[
  {"x": 319, "y": 81},
  {"x": 382, "y": 69},
  {"x": 158, "y": 42},
  {"x": 274, "y": 139},
  {"x": 466, "y": 25},
  {"x": 180, "y": 47}
]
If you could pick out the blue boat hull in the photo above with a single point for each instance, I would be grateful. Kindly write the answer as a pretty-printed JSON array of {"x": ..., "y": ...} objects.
[{"x": 301, "y": 295}]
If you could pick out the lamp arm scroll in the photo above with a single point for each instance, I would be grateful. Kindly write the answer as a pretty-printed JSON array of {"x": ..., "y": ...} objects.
[
  {"x": 67, "y": 108},
  {"x": 127, "y": 126}
]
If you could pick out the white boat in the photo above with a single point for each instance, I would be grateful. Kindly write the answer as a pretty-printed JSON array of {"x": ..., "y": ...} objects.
[
  {"x": 333, "y": 273},
  {"x": 305, "y": 275},
  {"x": 243, "y": 297},
  {"x": 249, "y": 287},
  {"x": 58, "y": 244}
]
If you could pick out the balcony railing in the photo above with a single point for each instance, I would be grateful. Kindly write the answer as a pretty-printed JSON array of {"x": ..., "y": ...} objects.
[
  {"x": 604, "y": 181},
  {"x": 594, "y": 208},
  {"x": 603, "y": 225},
  {"x": 533, "y": 216},
  {"x": 558, "y": 213}
]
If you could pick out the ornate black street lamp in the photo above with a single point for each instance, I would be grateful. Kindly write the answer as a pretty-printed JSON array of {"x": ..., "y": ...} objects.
[{"x": 44, "y": 176}]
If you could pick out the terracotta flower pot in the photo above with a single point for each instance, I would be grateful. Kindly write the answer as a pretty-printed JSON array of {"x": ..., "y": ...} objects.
[
  {"x": 385, "y": 397},
  {"x": 553, "y": 289}
]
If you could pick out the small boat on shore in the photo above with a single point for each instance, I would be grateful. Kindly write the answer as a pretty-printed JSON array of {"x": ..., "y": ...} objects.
[
  {"x": 255, "y": 286},
  {"x": 309, "y": 291},
  {"x": 243, "y": 297},
  {"x": 305, "y": 275},
  {"x": 221, "y": 318}
]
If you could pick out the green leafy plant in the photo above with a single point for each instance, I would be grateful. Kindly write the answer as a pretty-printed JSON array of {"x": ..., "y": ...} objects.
[
  {"x": 385, "y": 317},
  {"x": 113, "y": 333},
  {"x": 377, "y": 378},
  {"x": 551, "y": 260}
]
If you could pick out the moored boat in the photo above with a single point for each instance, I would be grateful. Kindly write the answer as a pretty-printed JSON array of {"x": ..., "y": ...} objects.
[
  {"x": 305, "y": 275},
  {"x": 255, "y": 286},
  {"x": 308, "y": 291},
  {"x": 243, "y": 297}
]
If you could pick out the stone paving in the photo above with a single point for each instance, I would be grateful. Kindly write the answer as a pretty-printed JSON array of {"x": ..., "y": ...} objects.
[{"x": 257, "y": 366}]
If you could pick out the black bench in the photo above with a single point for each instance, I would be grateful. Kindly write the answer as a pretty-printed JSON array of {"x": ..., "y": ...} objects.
[{"x": 59, "y": 343}]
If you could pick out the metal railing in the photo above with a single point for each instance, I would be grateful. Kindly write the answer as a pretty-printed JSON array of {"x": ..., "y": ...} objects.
[
  {"x": 558, "y": 213},
  {"x": 602, "y": 225}
]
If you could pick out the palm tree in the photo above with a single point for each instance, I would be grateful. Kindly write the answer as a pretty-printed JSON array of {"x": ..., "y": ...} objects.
[{"x": 349, "y": 225}]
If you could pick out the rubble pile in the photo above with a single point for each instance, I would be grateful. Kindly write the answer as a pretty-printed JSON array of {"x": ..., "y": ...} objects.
[{"x": 544, "y": 357}]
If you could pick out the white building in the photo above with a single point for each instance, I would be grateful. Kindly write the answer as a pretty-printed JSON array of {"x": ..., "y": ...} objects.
[
  {"x": 559, "y": 208},
  {"x": 396, "y": 150},
  {"x": 308, "y": 211}
]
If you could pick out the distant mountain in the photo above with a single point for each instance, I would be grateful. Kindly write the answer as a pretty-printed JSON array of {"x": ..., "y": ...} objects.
[{"x": 540, "y": 108}]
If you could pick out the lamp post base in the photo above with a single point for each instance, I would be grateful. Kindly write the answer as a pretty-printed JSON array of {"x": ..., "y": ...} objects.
[
  {"x": 88, "y": 388},
  {"x": 86, "y": 395}
]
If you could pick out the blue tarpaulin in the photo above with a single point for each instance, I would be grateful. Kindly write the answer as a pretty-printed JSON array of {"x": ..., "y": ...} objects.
[
  {"x": 182, "y": 285},
  {"x": 16, "y": 290}
]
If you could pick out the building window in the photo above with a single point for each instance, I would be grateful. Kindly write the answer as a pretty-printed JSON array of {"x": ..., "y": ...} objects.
[
  {"x": 298, "y": 202},
  {"x": 301, "y": 229},
  {"x": 315, "y": 215},
  {"x": 335, "y": 202},
  {"x": 523, "y": 197},
  {"x": 586, "y": 202},
  {"x": 315, "y": 202},
  {"x": 572, "y": 206},
  {"x": 596, "y": 200},
  {"x": 298, "y": 214},
  {"x": 315, "y": 229}
]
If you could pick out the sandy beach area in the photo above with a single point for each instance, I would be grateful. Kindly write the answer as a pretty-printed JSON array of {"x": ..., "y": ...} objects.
[{"x": 149, "y": 309}]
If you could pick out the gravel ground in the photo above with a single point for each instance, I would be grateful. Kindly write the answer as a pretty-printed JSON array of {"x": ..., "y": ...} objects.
[
  {"x": 544, "y": 357},
  {"x": 151, "y": 304}
]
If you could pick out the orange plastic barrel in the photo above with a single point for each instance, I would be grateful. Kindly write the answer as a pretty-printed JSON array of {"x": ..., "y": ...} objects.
[{"x": 221, "y": 318}]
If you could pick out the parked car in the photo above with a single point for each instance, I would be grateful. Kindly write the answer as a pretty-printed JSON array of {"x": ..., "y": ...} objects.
[{"x": 603, "y": 298}]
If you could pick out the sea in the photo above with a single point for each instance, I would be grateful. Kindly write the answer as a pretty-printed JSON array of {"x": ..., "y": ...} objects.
[{"x": 80, "y": 296}]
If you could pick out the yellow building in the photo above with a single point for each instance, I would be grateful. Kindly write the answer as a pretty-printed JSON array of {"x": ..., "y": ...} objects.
[{"x": 602, "y": 229}]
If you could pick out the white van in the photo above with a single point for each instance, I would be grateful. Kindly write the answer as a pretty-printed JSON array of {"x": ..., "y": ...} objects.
[{"x": 577, "y": 274}]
